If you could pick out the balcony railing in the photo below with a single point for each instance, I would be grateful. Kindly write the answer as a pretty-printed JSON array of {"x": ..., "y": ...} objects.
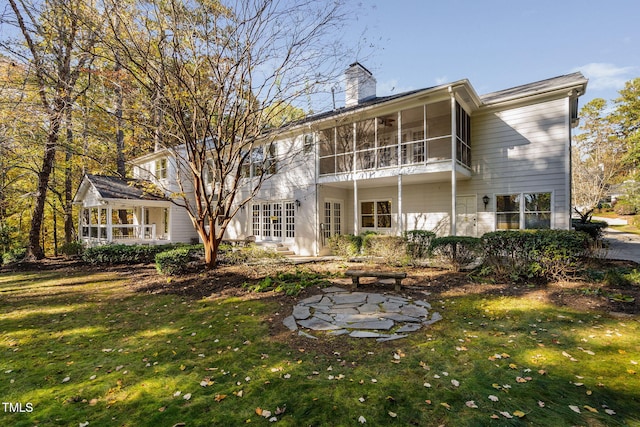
[{"x": 120, "y": 232}]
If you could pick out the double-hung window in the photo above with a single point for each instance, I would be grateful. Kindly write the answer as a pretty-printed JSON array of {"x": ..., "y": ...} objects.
[
  {"x": 375, "y": 214},
  {"x": 523, "y": 211},
  {"x": 161, "y": 168}
]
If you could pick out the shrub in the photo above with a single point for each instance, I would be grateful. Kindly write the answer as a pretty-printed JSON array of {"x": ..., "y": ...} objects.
[
  {"x": 550, "y": 254},
  {"x": 71, "y": 249},
  {"x": 595, "y": 229},
  {"x": 393, "y": 249},
  {"x": 123, "y": 254},
  {"x": 178, "y": 260},
  {"x": 419, "y": 243},
  {"x": 14, "y": 255},
  {"x": 456, "y": 251},
  {"x": 248, "y": 255},
  {"x": 624, "y": 207},
  {"x": 345, "y": 245}
]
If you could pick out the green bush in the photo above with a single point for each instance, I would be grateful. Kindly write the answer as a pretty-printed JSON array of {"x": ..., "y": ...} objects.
[
  {"x": 419, "y": 243},
  {"x": 251, "y": 254},
  {"x": 345, "y": 245},
  {"x": 456, "y": 251},
  {"x": 71, "y": 249},
  {"x": 595, "y": 229},
  {"x": 123, "y": 254},
  {"x": 14, "y": 255},
  {"x": 178, "y": 260},
  {"x": 548, "y": 254}
]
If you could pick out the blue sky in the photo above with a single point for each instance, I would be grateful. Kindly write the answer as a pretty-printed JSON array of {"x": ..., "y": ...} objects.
[{"x": 497, "y": 44}]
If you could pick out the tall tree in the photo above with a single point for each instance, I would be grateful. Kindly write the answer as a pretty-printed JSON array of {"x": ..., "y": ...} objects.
[
  {"x": 59, "y": 36},
  {"x": 596, "y": 158},
  {"x": 627, "y": 118},
  {"x": 221, "y": 71}
]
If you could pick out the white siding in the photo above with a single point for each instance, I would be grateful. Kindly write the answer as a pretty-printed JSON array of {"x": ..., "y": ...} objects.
[{"x": 519, "y": 150}]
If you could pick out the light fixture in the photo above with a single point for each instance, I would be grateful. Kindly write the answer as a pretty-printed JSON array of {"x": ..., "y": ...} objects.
[
  {"x": 297, "y": 203},
  {"x": 485, "y": 200}
]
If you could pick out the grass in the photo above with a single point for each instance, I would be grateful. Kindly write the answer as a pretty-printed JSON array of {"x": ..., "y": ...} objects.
[{"x": 79, "y": 348}]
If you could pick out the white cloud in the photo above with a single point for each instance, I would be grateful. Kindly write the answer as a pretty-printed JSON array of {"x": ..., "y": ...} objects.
[{"x": 603, "y": 76}]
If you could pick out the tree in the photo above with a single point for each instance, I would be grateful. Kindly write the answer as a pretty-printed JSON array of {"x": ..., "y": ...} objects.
[
  {"x": 220, "y": 73},
  {"x": 596, "y": 158},
  {"x": 627, "y": 119},
  {"x": 59, "y": 37}
]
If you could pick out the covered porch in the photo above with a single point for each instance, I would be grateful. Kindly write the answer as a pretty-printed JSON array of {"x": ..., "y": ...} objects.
[{"x": 116, "y": 210}]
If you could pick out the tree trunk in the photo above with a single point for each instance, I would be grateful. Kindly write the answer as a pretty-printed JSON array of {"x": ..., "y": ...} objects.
[
  {"x": 68, "y": 182},
  {"x": 34, "y": 250}
]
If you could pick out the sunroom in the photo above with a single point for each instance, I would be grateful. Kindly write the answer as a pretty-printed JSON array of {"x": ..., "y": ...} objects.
[{"x": 115, "y": 210}]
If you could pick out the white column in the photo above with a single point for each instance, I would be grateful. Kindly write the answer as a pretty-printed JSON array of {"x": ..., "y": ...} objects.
[
  {"x": 400, "y": 219},
  {"x": 452, "y": 231},
  {"x": 356, "y": 230}
]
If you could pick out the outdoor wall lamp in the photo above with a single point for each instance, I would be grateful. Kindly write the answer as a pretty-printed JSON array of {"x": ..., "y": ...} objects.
[
  {"x": 297, "y": 203},
  {"x": 485, "y": 200}
]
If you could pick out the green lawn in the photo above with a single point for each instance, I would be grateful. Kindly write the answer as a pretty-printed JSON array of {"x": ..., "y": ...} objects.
[{"x": 78, "y": 348}]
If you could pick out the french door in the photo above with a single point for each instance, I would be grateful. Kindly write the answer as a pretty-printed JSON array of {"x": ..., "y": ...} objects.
[
  {"x": 268, "y": 218},
  {"x": 331, "y": 220}
]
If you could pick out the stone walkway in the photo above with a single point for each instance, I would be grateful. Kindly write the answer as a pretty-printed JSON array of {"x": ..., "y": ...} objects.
[{"x": 339, "y": 311}]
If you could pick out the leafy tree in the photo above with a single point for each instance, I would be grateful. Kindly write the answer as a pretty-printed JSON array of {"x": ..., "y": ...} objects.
[
  {"x": 627, "y": 119},
  {"x": 596, "y": 158},
  {"x": 220, "y": 75},
  {"x": 59, "y": 36}
]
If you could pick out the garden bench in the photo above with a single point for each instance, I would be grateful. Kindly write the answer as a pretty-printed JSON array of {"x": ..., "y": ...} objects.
[{"x": 357, "y": 274}]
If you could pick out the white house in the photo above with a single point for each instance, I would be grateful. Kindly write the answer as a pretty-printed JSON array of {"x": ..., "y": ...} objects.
[{"x": 441, "y": 158}]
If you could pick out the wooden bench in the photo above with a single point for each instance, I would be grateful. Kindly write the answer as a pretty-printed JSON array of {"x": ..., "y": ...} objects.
[{"x": 357, "y": 274}]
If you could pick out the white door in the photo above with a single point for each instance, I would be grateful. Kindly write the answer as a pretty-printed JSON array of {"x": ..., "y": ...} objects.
[
  {"x": 466, "y": 216},
  {"x": 332, "y": 220}
]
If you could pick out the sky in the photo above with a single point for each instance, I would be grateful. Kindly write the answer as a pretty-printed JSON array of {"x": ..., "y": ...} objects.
[{"x": 497, "y": 44}]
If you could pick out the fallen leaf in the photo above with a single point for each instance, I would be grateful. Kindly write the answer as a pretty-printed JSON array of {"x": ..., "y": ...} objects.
[
  {"x": 495, "y": 417},
  {"x": 361, "y": 399},
  {"x": 610, "y": 411},
  {"x": 392, "y": 414},
  {"x": 219, "y": 397},
  {"x": 590, "y": 409},
  {"x": 427, "y": 385},
  {"x": 66, "y": 379},
  {"x": 541, "y": 403},
  {"x": 84, "y": 424},
  {"x": 362, "y": 419},
  {"x": 446, "y": 405},
  {"x": 493, "y": 398},
  {"x": 259, "y": 411},
  {"x": 187, "y": 396},
  {"x": 455, "y": 383},
  {"x": 574, "y": 408},
  {"x": 280, "y": 411},
  {"x": 506, "y": 414},
  {"x": 471, "y": 404},
  {"x": 519, "y": 414},
  {"x": 266, "y": 413},
  {"x": 273, "y": 419}
]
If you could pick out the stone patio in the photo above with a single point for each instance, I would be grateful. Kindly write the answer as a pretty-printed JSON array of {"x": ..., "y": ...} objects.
[{"x": 339, "y": 311}]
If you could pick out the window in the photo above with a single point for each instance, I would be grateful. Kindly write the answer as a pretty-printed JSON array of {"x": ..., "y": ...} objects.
[
  {"x": 523, "y": 210},
  {"x": 375, "y": 214},
  {"x": 161, "y": 169},
  {"x": 257, "y": 163},
  {"x": 290, "y": 219}
]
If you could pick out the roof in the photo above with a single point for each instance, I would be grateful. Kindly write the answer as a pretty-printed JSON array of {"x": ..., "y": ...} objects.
[
  {"x": 113, "y": 187},
  {"x": 522, "y": 91},
  {"x": 535, "y": 88}
]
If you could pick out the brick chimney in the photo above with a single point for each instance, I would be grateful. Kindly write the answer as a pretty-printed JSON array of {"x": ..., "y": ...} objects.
[{"x": 360, "y": 85}]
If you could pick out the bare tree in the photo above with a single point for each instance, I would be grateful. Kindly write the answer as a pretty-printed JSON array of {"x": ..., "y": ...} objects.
[
  {"x": 596, "y": 159},
  {"x": 59, "y": 36},
  {"x": 221, "y": 72}
]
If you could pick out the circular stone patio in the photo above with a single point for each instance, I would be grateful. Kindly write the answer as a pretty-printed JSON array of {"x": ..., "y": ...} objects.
[{"x": 339, "y": 311}]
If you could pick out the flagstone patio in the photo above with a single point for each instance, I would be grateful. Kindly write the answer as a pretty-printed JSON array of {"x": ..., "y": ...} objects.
[{"x": 339, "y": 311}]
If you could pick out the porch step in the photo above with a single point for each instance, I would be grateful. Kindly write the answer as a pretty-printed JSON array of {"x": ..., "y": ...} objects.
[{"x": 279, "y": 248}]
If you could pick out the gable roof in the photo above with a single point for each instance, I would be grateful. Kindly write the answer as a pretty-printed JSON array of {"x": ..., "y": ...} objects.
[
  {"x": 536, "y": 88},
  {"x": 113, "y": 187}
]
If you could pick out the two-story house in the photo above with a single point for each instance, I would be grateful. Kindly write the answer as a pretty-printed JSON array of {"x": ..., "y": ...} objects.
[{"x": 441, "y": 158}]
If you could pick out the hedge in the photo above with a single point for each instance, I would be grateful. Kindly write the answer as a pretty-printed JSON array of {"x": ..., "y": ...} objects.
[
  {"x": 419, "y": 243},
  {"x": 123, "y": 254},
  {"x": 345, "y": 245},
  {"x": 550, "y": 254},
  {"x": 178, "y": 260}
]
